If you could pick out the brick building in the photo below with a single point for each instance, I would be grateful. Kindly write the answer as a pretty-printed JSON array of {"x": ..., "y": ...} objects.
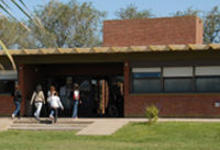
[{"x": 158, "y": 61}]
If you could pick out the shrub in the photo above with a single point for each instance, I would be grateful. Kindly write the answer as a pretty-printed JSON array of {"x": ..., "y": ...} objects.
[{"x": 152, "y": 114}]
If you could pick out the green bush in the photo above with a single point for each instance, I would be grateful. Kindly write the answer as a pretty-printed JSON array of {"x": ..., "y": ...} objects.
[{"x": 152, "y": 114}]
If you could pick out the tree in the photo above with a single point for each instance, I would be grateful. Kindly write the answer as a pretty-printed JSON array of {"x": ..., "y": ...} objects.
[
  {"x": 55, "y": 25},
  {"x": 212, "y": 26},
  {"x": 132, "y": 12},
  {"x": 67, "y": 25},
  {"x": 6, "y": 9},
  {"x": 13, "y": 34},
  {"x": 188, "y": 12}
]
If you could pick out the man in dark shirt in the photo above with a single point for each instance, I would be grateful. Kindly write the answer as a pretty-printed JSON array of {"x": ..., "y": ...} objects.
[{"x": 17, "y": 101}]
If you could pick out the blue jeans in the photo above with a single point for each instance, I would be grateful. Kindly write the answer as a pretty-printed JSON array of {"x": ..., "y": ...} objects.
[
  {"x": 54, "y": 110},
  {"x": 18, "y": 108},
  {"x": 75, "y": 108}
]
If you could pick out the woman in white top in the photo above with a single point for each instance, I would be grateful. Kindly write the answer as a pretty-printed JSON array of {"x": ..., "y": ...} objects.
[
  {"x": 55, "y": 104},
  {"x": 38, "y": 99}
]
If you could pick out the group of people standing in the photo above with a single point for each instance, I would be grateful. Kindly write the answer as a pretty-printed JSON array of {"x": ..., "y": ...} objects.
[{"x": 53, "y": 99}]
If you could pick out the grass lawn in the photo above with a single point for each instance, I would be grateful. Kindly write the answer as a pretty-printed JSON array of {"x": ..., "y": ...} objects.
[{"x": 134, "y": 136}]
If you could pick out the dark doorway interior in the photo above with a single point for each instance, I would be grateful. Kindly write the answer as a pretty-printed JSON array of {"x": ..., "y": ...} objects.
[
  {"x": 101, "y": 96},
  {"x": 101, "y": 91}
]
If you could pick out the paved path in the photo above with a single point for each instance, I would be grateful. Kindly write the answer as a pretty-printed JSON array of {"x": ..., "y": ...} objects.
[
  {"x": 5, "y": 123},
  {"x": 103, "y": 127},
  {"x": 107, "y": 126}
]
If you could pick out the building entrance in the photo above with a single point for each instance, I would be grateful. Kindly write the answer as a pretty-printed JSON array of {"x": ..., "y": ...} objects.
[
  {"x": 100, "y": 96},
  {"x": 102, "y": 93}
]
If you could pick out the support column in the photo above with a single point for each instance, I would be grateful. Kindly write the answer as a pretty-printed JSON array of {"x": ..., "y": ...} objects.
[
  {"x": 22, "y": 88},
  {"x": 103, "y": 96},
  {"x": 126, "y": 84}
]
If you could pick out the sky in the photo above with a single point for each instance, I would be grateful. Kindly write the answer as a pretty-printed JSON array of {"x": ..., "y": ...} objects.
[{"x": 160, "y": 8}]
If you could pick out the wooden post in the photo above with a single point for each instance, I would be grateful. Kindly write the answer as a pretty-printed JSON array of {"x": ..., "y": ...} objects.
[{"x": 103, "y": 96}]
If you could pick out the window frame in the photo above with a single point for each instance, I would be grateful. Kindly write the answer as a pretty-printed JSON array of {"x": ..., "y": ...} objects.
[
  {"x": 205, "y": 77},
  {"x": 162, "y": 78},
  {"x": 142, "y": 78},
  {"x": 191, "y": 78}
]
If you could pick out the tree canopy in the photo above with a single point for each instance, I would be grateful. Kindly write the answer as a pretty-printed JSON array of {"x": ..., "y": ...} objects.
[
  {"x": 132, "y": 12},
  {"x": 188, "y": 12},
  {"x": 55, "y": 24},
  {"x": 11, "y": 32},
  {"x": 212, "y": 26},
  {"x": 67, "y": 25}
]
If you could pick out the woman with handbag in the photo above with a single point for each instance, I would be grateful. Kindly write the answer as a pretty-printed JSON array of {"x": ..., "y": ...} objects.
[{"x": 38, "y": 99}]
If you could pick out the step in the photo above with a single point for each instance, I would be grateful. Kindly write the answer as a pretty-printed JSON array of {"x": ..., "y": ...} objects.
[
  {"x": 63, "y": 124},
  {"x": 48, "y": 125},
  {"x": 33, "y": 121},
  {"x": 46, "y": 128}
]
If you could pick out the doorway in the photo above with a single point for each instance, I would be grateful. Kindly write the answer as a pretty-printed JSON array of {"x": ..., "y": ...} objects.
[
  {"x": 101, "y": 87},
  {"x": 100, "y": 96}
]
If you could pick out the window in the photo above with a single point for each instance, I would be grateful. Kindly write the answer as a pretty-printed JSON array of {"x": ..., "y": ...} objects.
[
  {"x": 178, "y": 85},
  {"x": 146, "y": 80},
  {"x": 6, "y": 86},
  {"x": 207, "y": 71},
  {"x": 208, "y": 84},
  {"x": 208, "y": 78},
  {"x": 8, "y": 75},
  {"x": 7, "y": 81},
  {"x": 178, "y": 71},
  {"x": 146, "y": 85},
  {"x": 178, "y": 79}
]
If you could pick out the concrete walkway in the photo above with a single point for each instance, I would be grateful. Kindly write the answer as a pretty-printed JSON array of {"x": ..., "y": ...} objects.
[
  {"x": 5, "y": 123},
  {"x": 106, "y": 126},
  {"x": 109, "y": 126},
  {"x": 103, "y": 127}
]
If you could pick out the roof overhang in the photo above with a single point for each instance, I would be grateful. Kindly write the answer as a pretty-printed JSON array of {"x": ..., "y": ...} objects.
[
  {"x": 113, "y": 50},
  {"x": 111, "y": 54}
]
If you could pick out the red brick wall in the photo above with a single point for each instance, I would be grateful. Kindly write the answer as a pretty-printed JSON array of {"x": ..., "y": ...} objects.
[
  {"x": 177, "y": 30},
  {"x": 199, "y": 31},
  {"x": 6, "y": 105},
  {"x": 174, "y": 105},
  {"x": 170, "y": 105}
]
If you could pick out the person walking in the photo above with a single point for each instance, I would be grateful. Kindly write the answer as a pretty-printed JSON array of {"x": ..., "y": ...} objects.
[
  {"x": 76, "y": 101},
  {"x": 51, "y": 91},
  {"x": 65, "y": 94},
  {"x": 17, "y": 101},
  {"x": 55, "y": 104},
  {"x": 38, "y": 100}
]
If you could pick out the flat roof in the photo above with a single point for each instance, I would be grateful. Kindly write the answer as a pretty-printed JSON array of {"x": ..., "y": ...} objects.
[{"x": 113, "y": 50}]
